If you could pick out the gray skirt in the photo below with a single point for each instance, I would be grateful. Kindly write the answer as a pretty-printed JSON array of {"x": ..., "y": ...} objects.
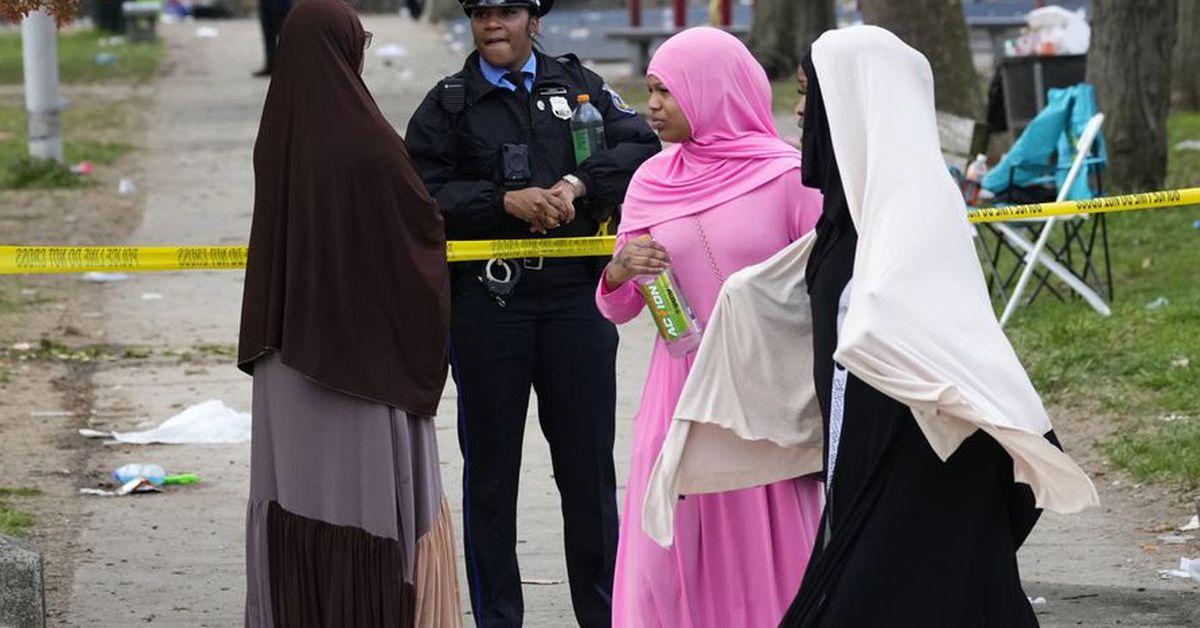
[{"x": 347, "y": 523}]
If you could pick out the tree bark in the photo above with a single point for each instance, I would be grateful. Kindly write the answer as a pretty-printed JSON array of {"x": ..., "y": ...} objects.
[
  {"x": 1129, "y": 63},
  {"x": 938, "y": 29},
  {"x": 442, "y": 10},
  {"x": 783, "y": 31},
  {"x": 1185, "y": 73}
]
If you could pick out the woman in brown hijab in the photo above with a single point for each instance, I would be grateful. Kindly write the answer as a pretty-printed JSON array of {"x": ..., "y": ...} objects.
[{"x": 344, "y": 327}]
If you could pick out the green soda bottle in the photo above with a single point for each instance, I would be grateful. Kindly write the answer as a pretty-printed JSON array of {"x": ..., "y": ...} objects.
[
  {"x": 587, "y": 129},
  {"x": 677, "y": 324}
]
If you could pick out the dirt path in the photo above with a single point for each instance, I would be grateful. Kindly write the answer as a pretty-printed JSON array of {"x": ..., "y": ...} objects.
[
  {"x": 45, "y": 389},
  {"x": 1100, "y": 567}
]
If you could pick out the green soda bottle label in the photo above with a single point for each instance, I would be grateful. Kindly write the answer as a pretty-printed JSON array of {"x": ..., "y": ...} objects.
[
  {"x": 664, "y": 306},
  {"x": 583, "y": 147}
]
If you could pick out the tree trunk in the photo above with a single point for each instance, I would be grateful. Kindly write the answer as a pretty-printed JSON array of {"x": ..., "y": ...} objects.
[
  {"x": 1185, "y": 75},
  {"x": 783, "y": 31},
  {"x": 938, "y": 29},
  {"x": 1129, "y": 62},
  {"x": 442, "y": 10}
]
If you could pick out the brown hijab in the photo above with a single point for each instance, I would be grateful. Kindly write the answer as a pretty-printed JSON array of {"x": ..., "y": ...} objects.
[{"x": 346, "y": 278}]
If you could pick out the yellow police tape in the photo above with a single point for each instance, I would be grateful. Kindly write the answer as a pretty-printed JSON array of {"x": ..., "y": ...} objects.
[
  {"x": 1124, "y": 202},
  {"x": 78, "y": 259},
  {"x": 474, "y": 250}
]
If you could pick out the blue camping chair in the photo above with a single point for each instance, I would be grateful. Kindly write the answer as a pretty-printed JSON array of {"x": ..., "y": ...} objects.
[
  {"x": 1061, "y": 155},
  {"x": 1036, "y": 166}
]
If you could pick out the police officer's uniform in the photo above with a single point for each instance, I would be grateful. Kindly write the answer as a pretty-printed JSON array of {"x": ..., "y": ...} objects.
[{"x": 472, "y": 140}]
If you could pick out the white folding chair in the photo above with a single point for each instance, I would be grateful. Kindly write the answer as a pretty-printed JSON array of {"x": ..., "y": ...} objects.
[{"x": 1035, "y": 252}]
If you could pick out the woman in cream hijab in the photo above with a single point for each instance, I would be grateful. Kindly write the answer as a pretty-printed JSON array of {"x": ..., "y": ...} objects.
[{"x": 936, "y": 450}]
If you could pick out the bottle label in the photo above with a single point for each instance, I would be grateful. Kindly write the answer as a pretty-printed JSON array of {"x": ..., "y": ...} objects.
[
  {"x": 583, "y": 147},
  {"x": 663, "y": 301}
]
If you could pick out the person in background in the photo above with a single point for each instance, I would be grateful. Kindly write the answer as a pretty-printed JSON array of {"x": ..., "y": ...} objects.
[{"x": 271, "y": 14}]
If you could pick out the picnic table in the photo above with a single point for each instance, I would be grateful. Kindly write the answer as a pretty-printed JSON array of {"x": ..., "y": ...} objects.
[{"x": 642, "y": 37}]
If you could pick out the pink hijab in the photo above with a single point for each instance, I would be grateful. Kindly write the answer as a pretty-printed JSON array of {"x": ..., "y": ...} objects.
[{"x": 726, "y": 97}]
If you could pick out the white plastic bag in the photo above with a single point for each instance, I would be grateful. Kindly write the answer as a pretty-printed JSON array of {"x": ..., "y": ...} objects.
[
  {"x": 211, "y": 422},
  {"x": 1058, "y": 30}
]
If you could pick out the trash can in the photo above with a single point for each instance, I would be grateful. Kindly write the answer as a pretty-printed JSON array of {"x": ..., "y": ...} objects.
[
  {"x": 1026, "y": 81},
  {"x": 107, "y": 16},
  {"x": 141, "y": 21}
]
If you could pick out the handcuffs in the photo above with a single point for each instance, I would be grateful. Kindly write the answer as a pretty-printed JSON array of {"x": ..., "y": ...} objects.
[{"x": 500, "y": 289}]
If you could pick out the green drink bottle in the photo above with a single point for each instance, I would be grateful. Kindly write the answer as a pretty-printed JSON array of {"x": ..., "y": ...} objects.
[
  {"x": 677, "y": 324},
  {"x": 587, "y": 129}
]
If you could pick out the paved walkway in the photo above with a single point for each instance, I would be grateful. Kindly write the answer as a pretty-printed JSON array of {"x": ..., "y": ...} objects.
[{"x": 177, "y": 559}]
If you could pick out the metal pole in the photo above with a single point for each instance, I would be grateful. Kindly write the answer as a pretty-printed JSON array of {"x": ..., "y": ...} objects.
[
  {"x": 39, "y": 51},
  {"x": 680, "y": 13}
]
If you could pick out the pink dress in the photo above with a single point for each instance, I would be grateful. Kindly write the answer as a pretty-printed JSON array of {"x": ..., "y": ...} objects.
[{"x": 739, "y": 556}]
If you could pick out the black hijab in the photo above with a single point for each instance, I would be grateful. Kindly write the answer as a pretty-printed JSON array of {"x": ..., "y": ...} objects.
[
  {"x": 820, "y": 171},
  {"x": 346, "y": 278}
]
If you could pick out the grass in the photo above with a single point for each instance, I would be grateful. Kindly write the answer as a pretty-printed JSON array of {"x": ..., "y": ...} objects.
[
  {"x": 19, "y": 492},
  {"x": 1168, "y": 454},
  {"x": 1185, "y": 164},
  {"x": 77, "y": 58},
  {"x": 14, "y": 522},
  {"x": 1139, "y": 364},
  {"x": 84, "y": 125},
  {"x": 28, "y": 173},
  {"x": 84, "y": 56}
]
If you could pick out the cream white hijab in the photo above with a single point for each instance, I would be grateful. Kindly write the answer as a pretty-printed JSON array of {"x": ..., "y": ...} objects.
[{"x": 920, "y": 327}]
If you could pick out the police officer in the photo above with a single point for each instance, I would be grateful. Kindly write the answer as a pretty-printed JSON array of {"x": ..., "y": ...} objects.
[{"x": 493, "y": 144}]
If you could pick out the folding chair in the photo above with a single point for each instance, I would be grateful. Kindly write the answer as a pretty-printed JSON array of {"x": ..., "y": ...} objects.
[
  {"x": 1037, "y": 250},
  {"x": 1032, "y": 169}
]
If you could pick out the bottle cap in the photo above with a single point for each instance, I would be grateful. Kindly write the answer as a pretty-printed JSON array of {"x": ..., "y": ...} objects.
[{"x": 584, "y": 98}]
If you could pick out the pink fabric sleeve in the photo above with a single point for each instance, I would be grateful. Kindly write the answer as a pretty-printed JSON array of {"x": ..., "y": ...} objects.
[
  {"x": 804, "y": 207},
  {"x": 624, "y": 303}
]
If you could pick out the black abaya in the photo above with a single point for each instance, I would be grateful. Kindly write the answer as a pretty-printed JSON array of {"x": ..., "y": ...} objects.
[{"x": 906, "y": 539}]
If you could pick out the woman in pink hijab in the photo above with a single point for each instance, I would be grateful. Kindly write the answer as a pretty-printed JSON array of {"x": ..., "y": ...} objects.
[{"x": 726, "y": 195}]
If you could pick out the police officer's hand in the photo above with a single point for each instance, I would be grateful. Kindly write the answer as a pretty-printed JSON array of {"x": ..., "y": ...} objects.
[
  {"x": 640, "y": 256},
  {"x": 567, "y": 194},
  {"x": 539, "y": 207}
]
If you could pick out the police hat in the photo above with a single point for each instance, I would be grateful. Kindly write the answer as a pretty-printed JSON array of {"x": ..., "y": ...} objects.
[{"x": 540, "y": 7}]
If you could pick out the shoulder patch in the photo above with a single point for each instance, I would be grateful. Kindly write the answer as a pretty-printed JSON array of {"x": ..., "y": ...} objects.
[
  {"x": 452, "y": 94},
  {"x": 618, "y": 102}
]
